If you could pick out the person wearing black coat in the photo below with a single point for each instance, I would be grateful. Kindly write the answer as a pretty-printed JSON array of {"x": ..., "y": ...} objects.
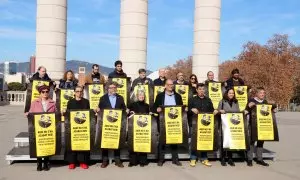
[
  {"x": 138, "y": 107},
  {"x": 161, "y": 80},
  {"x": 235, "y": 80},
  {"x": 81, "y": 156},
  {"x": 42, "y": 76},
  {"x": 69, "y": 81},
  {"x": 167, "y": 98},
  {"x": 114, "y": 101},
  {"x": 258, "y": 99},
  {"x": 118, "y": 72},
  {"x": 142, "y": 79}
]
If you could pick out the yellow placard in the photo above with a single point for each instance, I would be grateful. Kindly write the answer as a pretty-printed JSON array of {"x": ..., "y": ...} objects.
[
  {"x": 265, "y": 126},
  {"x": 205, "y": 132},
  {"x": 65, "y": 96},
  {"x": 111, "y": 129},
  {"x": 35, "y": 88},
  {"x": 45, "y": 134},
  {"x": 157, "y": 90},
  {"x": 96, "y": 91},
  {"x": 80, "y": 130},
  {"x": 241, "y": 94},
  {"x": 142, "y": 88},
  {"x": 237, "y": 131},
  {"x": 215, "y": 93},
  {"x": 173, "y": 125},
  {"x": 121, "y": 87},
  {"x": 183, "y": 90},
  {"x": 142, "y": 133}
]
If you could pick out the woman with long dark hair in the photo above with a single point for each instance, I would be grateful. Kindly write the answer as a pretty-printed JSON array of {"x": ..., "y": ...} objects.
[
  {"x": 229, "y": 104},
  {"x": 193, "y": 83},
  {"x": 69, "y": 81}
]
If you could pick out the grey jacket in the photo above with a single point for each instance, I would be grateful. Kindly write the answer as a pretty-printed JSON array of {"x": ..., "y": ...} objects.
[{"x": 224, "y": 105}]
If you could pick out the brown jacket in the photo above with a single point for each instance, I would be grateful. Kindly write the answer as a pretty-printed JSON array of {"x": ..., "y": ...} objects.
[{"x": 89, "y": 80}]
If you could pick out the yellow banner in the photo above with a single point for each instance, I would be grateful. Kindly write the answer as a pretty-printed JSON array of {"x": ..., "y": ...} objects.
[
  {"x": 35, "y": 88},
  {"x": 157, "y": 90},
  {"x": 142, "y": 88},
  {"x": 111, "y": 129},
  {"x": 80, "y": 130},
  {"x": 65, "y": 96},
  {"x": 142, "y": 133},
  {"x": 96, "y": 91},
  {"x": 121, "y": 87},
  {"x": 45, "y": 134},
  {"x": 205, "y": 132},
  {"x": 183, "y": 90},
  {"x": 215, "y": 93},
  {"x": 241, "y": 94},
  {"x": 237, "y": 131},
  {"x": 173, "y": 125},
  {"x": 265, "y": 129}
]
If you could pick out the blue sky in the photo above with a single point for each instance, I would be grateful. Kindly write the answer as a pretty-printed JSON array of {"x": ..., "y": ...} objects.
[{"x": 93, "y": 28}]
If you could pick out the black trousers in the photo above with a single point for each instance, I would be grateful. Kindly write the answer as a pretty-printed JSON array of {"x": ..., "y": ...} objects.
[
  {"x": 137, "y": 158},
  {"x": 77, "y": 156},
  {"x": 40, "y": 160},
  {"x": 259, "y": 150},
  {"x": 162, "y": 151},
  {"x": 105, "y": 155}
]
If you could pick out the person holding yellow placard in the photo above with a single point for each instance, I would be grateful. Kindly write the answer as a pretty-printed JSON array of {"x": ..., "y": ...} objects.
[
  {"x": 143, "y": 108},
  {"x": 43, "y": 104},
  {"x": 69, "y": 81},
  {"x": 234, "y": 80},
  {"x": 118, "y": 72},
  {"x": 95, "y": 76},
  {"x": 200, "y": 104},
  {"x": 230, "y": 104},
  {"x": 258, "y": 99},
  {"x": 161, "y": 80},
  {"x": 167, "y": 98},
  {"x": 111, "y": 100},
  {"x": 81, "y": 156},
  {"x": 142, "y": 79},
  {"x": 180, "y": 79}
]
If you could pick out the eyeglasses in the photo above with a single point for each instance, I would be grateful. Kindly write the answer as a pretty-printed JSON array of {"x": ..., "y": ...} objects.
[{"x": 44, "y": 92}]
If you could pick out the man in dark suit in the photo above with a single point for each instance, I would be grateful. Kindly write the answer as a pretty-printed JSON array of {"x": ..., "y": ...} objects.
[
  {"x": 114, "y": 101},
  {"x": 167, "y": 98}
]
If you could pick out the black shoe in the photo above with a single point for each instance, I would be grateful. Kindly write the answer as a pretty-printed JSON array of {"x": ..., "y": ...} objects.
[
  {"x": 46, "y": 167},
  {"x": 249, "y": 163},
  {"x": 177, "y": 163},
  {"x": 230, "y": 162},
  {"x": 263, "y": 163},
  {"x": 39, "y": 167},
  {"x": 104, "y": 164},
  {"x": 160, "y": 163},
  {"x": 223, "y": 162},
  {"x": 132, "y": 164},
  {"x": 142, "y": 165},
  {"x": 119, "y": 164}
]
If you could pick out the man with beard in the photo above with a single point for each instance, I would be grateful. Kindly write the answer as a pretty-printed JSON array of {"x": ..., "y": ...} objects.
[
  {"x": 111, "y": 100},
  {"x": 235, "y": 80},
  {"x": 42, "y": 75},
  {"x": 180, "y": 79},
  {"x": 258, "y": 99},
  {"x": 118, "y": 72},
  {"x": 162, "y": 78},
  {"x": 142, "y": 79},
  {"x": 167, "y": 98},
  {"x": 200, "y": 104},
  {"x": 95, "y": 76}
]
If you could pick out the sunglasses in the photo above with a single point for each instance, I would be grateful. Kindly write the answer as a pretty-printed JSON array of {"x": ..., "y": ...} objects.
[{"x": 43, "y": 92}]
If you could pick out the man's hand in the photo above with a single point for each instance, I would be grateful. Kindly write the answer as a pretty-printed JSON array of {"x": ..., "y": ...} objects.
[
  {"x": 195, "y": 111},
  {"x": 186, "y": 109},
  {"x": 251, "y": 104},
  {"x": 159, "y": 109},
  {"x": 97, "y": 110},
  {"x": 216, "y": 112}
]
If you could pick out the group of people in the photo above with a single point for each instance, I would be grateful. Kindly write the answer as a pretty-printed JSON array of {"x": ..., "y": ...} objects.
[{"x": 198, "y": 103}]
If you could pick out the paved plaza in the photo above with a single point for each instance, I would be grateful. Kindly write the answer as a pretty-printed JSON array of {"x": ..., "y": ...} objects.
[{"x": 286, "y": 166}]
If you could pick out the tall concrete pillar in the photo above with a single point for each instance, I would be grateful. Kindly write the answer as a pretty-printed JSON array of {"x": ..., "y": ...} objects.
[
  {"x": 206, "y": 38},
  {"x": 51, "y": 28},
  {"x": 133, "y": 35}
]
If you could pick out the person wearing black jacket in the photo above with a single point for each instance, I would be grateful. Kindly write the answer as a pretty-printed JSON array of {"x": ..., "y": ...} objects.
[
  {"x": 258, "y": 99},
  {"x": 69, "y": 81},
  {"x": 142, "y": 79},
  {"x": 180, "y": 79},
  {"x": 210, "y": 78},
  {"x": 161, "y": 80},
  {"x": 138, "y": 107},
  {"x": 114, "y": 101},
  {"x": 118, "y": 72},
  {"x": 42, "y": 76},
  {"x": 167, "y": 98},
  {"x": 200, "y": 104},
  {"x": 193, "y": 84},
  {"x": 81, "y": 156},
  {"x": 235, "y": 80}
]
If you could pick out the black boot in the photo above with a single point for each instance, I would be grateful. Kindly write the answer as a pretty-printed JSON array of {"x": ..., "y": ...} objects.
[
  {"x": 223, "y": 162},
  {"x": 263, "y": 163},
  {"x": 46, "y": 165},
  {"x": 230, "y": 162},
  {"x": 39, "y": 164},
  {"x": 249, "y": 163}
]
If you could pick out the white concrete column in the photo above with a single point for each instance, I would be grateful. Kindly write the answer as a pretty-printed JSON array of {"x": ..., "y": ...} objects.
[
  {"x": 51, "y": 28},
  {"x": 133, "y": 35},
  {"x": 206, "y": 38}
]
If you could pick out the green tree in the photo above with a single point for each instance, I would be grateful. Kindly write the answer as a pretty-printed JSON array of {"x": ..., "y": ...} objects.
[{"x": 15, "y": 86}]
